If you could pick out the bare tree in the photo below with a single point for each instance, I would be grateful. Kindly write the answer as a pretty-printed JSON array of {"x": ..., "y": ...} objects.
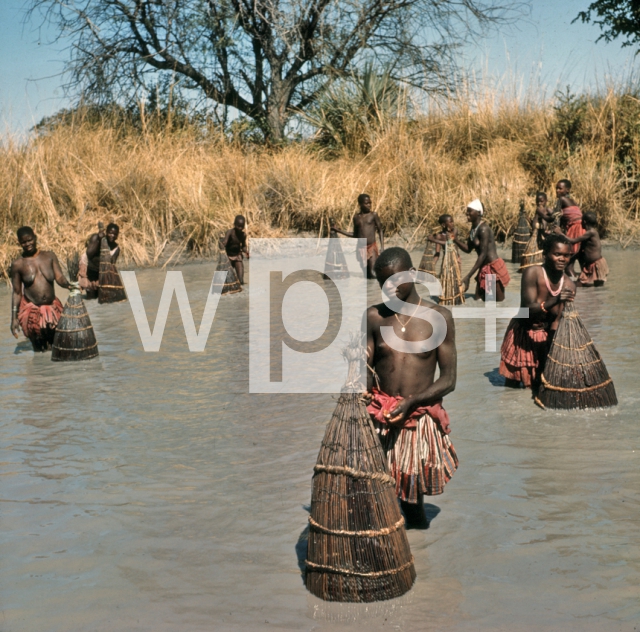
[{"x": 266, "y": 58}]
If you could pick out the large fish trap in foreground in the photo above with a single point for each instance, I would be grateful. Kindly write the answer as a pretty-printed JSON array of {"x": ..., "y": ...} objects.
[{"x": 358, "y": 549}]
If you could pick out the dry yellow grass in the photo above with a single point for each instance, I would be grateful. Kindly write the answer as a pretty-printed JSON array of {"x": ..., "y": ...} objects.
[{"x": 176, "y": 186}]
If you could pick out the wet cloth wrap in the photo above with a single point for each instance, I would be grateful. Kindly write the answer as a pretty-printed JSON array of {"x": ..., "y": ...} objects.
[
  {"x": 420, "y": 455},
  {"x": 572, "y": 216},
  {"x": 594, "y": 271},
  {"x": 523, "y": 352},
  {"x": 364, "y": 254},
  {"x": 497, "y": 267},
  {"x": 36, "y": 318}
]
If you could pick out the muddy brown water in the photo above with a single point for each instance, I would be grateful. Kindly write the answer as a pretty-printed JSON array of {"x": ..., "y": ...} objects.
[{"x": 146, "y": 491}]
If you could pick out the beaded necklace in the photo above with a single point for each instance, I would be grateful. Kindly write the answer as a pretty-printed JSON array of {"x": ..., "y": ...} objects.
[
  {"x": 473, "y": 231},
  {"x": 546, "y": 281}
]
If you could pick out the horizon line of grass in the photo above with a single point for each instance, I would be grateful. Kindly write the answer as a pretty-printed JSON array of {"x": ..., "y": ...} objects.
[{"x": 177, "y": 181}]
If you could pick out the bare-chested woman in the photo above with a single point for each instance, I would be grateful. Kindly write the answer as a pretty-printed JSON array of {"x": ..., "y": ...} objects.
[
  {"x": 481, "y": 240},
  {"x": 34, "y": 305},
  {"x": 406, "y": 404},
  {"x": 365, "y": 225},
  {"x": 544, "y": 291}
]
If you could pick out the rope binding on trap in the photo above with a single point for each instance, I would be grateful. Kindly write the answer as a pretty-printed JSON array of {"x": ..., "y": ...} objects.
[
  {"x": 349, "y": 471},
  {"x": 371, "y": 533},
  {"x": 551, "y": 387},
  {"x": 340, "y": 571}
]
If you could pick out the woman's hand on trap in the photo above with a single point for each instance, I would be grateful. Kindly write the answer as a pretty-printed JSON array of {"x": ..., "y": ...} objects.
[{"x": 567, "y": 294}]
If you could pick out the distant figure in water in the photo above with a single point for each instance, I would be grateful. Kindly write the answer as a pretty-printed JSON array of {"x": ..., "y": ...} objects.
[
  {"x": 34, "y": 305},
  {"x": 481, "y": 240},
  {"x": 405, "y": 396},
  {"x": 235, "y": 245},
  {"x": 545, "y": 217},
  {"x": 544, "y": 290},
  {"x": 570, "y": 220},
  {"x": 594, "y": 265},
  {"x": 440, "y": 239},
  {"x": 365, "y": 226},
  {"x": 89, "y": 268}
]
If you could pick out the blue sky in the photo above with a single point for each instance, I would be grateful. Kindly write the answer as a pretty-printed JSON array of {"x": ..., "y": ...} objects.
[{"x": 544, "y": 48}]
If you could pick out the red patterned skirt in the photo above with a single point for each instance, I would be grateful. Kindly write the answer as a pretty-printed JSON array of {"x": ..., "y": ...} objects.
[
  {"x": 523, "y": 352},
  {"x": 39, "y": 321},
  {"x": 497, "y": 267},
  {"x": 421, "y": 459}
]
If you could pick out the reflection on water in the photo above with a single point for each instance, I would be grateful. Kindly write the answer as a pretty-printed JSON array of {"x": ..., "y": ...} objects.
[{"x": 150, "y": 491}]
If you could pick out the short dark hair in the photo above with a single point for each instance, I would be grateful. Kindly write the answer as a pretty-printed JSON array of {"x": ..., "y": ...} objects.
[
  {"x": 567, "y": 183},
  {"x": 237, "y": 217},
  {"x": 25, "y": 230},
  {"x": 590, "y": 218},
  {"x": 392, "y": 257},
  {"x": 444, "y": 217},
  {"x": 362, "y": 197},
  {"x": 552, "y": 240},
  {"x": 541, "y": 194},
  {"x": 112, "y": 225}
]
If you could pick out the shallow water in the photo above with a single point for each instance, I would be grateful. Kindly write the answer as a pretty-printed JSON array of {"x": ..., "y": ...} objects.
[{"x": 147, "y": 491}]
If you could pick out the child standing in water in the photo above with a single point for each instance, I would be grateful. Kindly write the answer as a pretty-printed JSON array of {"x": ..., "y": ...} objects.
[
  {"x": 447, "y": 233},
  {"x": 235, "y": 245},
  {"x": 366, "y": 224},
  {"x": 594, "y": 265}
]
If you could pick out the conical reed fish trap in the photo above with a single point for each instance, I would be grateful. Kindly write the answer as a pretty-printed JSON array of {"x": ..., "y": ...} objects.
[
  {"x": 520, "y": 237},
  {"x": 231, "y": 284},
  {"x": 574, "y": 375},
  {"x": 358, "y": 549},
  {"x": 532, "y": 255},
  {"x": 74, "y": 338},
  {"x": 451, "y": 277},
  {"x": 110, "y": 288},
  {"x": 427, "y": 263},
  {"x": 335, "y": 262}
]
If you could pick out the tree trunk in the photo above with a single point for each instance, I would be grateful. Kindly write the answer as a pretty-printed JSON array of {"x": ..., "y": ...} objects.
[{"x": 277, "y": 102}]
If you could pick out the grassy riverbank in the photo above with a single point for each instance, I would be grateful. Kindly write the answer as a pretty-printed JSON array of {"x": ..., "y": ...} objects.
[{"x": 183, "y": 186}]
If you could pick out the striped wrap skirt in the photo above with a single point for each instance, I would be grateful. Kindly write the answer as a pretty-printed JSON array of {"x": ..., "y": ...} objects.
[{"x": 421, "y": 459}]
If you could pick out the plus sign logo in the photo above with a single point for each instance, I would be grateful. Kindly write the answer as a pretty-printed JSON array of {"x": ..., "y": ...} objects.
[{"x": 490, "y": 313}]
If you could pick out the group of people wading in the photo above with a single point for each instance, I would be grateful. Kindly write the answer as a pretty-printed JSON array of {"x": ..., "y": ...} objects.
[
  {"x": 404, "y": 396},
  {"x": 34, "y": 306}
]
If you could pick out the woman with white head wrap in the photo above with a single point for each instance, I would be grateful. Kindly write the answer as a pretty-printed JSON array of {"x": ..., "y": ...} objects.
[{"x": 482, "y": 241}]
